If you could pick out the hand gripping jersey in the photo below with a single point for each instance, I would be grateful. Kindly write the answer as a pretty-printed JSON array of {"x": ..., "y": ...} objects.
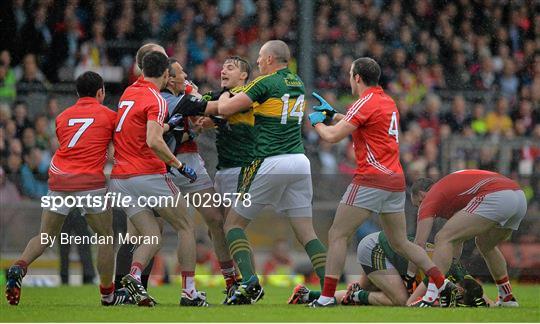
[
  {"x": 278, "y": 115},
  {"x": 454, "y": 192},
  {"x": 140, "y": 103},
  {"x": 84, "y": 132},
  {"x": 235, "y": 140},
  {"x": 376, "y": 142}
]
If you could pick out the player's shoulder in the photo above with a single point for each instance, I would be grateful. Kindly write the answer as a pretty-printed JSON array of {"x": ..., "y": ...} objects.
[{"x": 259, "y": 80}]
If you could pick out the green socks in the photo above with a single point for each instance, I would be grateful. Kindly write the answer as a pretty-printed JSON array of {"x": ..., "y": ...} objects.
[
  {"x": 317, "y": 254},
  {"x": 241, "y": 252},
  {"x": 362, "y": 297}
]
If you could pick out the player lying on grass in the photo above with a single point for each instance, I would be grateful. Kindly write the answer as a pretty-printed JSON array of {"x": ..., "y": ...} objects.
[
  {"x": 84, "y": 133},
  {"x": 480, "y": 204},
  {"x": 381, "y": 283},
  {"x": 378, "y": 185}
]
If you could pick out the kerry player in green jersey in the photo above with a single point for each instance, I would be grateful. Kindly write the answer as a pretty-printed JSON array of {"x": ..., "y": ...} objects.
[
  {"x": 235, "y": 137},
  {"x": 280, "y": 174}
]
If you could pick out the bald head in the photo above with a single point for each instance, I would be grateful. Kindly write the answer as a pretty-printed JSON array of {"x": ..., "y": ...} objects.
[
  {"x": 273, "y": 55},
  {"x": 278, "y": 50},
  {"x": 145, "y": 49}
]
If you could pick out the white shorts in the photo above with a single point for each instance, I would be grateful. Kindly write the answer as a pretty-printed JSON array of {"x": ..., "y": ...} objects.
[
  {"x": 282, "y": 181},
  {"x": 371, "y": 256},
  {"x": 85, "y": 208},
  {"x": 194, "y": 161},
  {"x": 155, "y": 185},
  {"x": 506, "y": 207},
  {"x": 376, "y": 200},
  {"x": 227, "y": 180}
]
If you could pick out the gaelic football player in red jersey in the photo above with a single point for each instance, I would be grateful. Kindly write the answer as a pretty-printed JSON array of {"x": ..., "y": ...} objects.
[
  {"x": 480, "y": 204},
  {"x": 378, "y": 185},
  {"x": 141, "y": 158},
  {"x": 84, "y": 132}
]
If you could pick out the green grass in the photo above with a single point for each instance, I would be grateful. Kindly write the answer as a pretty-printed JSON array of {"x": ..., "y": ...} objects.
[{"x": 81, "y": 304}]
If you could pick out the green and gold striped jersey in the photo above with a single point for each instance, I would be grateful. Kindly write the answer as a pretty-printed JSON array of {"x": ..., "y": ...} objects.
[
  {"x": 235, "y": 141},
  {"x": 278, "y": 113}
]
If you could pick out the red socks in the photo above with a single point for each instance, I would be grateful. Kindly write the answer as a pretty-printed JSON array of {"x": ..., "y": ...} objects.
[
  {"x": 136, "y": 270},
  {"x": 505, "y": 289},
  {"x": 436, "y": 276},
  {"x": 229, "y": 272},
  {"x": 329, "y": 287}
]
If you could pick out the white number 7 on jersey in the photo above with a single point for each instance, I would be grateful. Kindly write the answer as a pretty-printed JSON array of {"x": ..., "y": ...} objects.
[
  {"x": 86, "y": 122},
  {"x": 128, "y": 104},
  {"x": 393, "y": 130}
]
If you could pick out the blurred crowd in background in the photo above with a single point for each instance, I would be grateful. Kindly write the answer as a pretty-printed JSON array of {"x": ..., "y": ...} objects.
[{"x": 462, "y": 69}]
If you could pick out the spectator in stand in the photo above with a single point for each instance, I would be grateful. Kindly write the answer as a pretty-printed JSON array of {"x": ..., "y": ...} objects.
[
  {"x": 34, "y": 174},
  {"x": 20, "y": 116},
  {"x": 9, "y": 194},
  {"x": 498, "y": 121},
  {"x": 478, "y": 120},
  {"x": 458, "y": 118},
  {"x": 430, "y": 119},
  {"x": 8, "y": 90},
  {"x": 32, "y": 79},
  {"x": 42, "y": 132},
  {"x": 200, "y": 45}
]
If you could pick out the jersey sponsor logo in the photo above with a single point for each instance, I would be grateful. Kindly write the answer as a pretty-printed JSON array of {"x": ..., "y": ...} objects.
[
  {"x": 356, "y": 106},
  {"x": 474, "y": 189}
]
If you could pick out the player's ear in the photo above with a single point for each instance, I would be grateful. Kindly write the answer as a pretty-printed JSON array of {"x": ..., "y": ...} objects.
[{"x": 243, "y": 76}]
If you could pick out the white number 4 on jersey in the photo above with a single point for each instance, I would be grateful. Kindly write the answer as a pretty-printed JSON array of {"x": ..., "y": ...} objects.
[{"x": 393, "y": 130}]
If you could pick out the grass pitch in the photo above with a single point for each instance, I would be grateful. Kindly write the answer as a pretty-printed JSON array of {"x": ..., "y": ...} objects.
[{"x": 81, "y": 304}]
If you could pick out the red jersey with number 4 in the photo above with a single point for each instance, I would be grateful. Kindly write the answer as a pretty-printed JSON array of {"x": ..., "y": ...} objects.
[
  {"x": 140, "y": 103},
  {"x": 455, "y": 191},
  {"x": 84, "y": 132},
  {"x": 375, "y": 141}
]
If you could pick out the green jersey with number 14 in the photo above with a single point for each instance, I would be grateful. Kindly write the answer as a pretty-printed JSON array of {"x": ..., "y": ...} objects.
[{"x": 278, "y": 113}]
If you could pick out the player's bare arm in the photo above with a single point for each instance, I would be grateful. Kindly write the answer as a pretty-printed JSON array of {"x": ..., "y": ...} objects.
[
  {"x": 334, "y": 133},
  {"x": 154, "y": 140},
  {"x": 228, "y": 105}
]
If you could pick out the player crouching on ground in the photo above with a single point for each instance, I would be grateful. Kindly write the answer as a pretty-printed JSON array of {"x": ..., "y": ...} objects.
[
  {"x": 381, "y": 283},
  {"x": 84, "y": 132},
  {"x": 480, "y": 204}
]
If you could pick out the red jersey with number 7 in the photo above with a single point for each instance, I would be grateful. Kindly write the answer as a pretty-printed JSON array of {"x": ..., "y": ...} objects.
[
  {"x": 84, "y": 132},
  {"x": 140, "y": 103},
  {"x": 376, "y": 141}
]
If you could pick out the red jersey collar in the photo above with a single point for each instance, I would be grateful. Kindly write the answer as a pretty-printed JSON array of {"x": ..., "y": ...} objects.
[
  {"x": 87, "y": 101},
  {"x": 141, "y": 81},
  {"x": 374, "y": 89}
]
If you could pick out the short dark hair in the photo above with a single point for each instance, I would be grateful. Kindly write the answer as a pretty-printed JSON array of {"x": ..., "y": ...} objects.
[
  {"x": 422, "y": 184},
  {"x": 154, "y": 64},
  {"x": 88, "y": 84},
  {"x": 171, "y": 62},
  {"x": 241, "y": 63},
  {"x": 368, "y": 69}
]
